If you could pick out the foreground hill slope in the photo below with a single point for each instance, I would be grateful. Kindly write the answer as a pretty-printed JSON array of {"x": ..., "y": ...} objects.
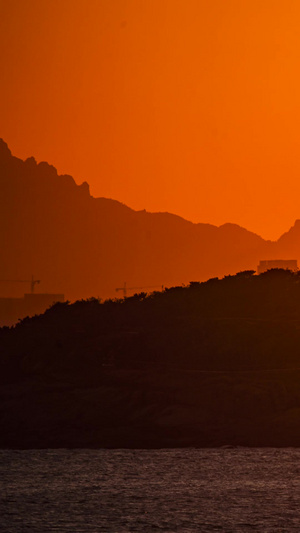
[
  {"x": 83, "y": 246},
  {"x": 211, "y": 364}
]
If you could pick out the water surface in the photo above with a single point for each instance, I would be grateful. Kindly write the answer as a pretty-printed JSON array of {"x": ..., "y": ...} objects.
[{"x": 144, "y": 490}]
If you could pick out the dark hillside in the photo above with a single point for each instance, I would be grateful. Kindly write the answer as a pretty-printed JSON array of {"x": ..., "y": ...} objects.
[
  {"x": 82, "y": 246},
  {"x": 208, "y": 364}
]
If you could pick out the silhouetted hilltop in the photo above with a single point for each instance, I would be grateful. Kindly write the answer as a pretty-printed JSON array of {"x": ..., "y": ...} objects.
[
  {"x": 289, "y": 242},
  {"x": 83, "y": 246},
  {"x": 210, "y": 364}
]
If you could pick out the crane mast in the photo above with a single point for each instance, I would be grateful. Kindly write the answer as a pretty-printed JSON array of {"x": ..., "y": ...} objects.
[{"x": 32, "y": 282}]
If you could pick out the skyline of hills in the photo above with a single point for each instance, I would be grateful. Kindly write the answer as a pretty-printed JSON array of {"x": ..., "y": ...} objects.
[{"x": 83, "y": 246}]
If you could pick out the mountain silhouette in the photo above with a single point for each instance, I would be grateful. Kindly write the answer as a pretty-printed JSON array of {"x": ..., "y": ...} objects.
[{"x": 84, "y": 246}]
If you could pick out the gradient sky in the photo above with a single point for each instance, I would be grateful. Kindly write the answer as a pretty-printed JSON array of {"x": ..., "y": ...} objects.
[{"x": 187, "y": 106}]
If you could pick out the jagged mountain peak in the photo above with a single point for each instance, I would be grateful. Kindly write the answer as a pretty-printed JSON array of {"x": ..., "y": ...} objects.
[
  {"x": 84, "y": 246},
  {"x": 5, "y": 152}
]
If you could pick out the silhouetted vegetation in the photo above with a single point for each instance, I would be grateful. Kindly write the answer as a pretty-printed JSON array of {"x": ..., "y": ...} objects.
[{"x": 205, "y": 364}]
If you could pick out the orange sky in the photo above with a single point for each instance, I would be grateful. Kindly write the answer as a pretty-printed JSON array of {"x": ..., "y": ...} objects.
[{"x": 187, "y": 106}]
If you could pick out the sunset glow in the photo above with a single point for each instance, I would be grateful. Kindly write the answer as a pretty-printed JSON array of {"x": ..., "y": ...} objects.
[
  {"x": 188, "y": 107},
  {"x": 150, "y": 265}
]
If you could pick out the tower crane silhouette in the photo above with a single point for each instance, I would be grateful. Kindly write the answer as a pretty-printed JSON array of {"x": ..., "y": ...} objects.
[
  {"x": 125, "y": 288},
  {"x": 32, "y": 282}
]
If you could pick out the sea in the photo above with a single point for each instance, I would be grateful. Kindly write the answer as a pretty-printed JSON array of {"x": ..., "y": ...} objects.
[{"x": 219, "y": 489}]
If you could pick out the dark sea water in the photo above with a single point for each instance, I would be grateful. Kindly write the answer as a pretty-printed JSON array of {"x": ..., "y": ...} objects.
[{"x": 237, "y": 489}]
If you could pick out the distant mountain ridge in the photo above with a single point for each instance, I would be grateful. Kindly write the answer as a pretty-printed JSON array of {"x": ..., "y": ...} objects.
[{"x": 84, "y": 246}]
